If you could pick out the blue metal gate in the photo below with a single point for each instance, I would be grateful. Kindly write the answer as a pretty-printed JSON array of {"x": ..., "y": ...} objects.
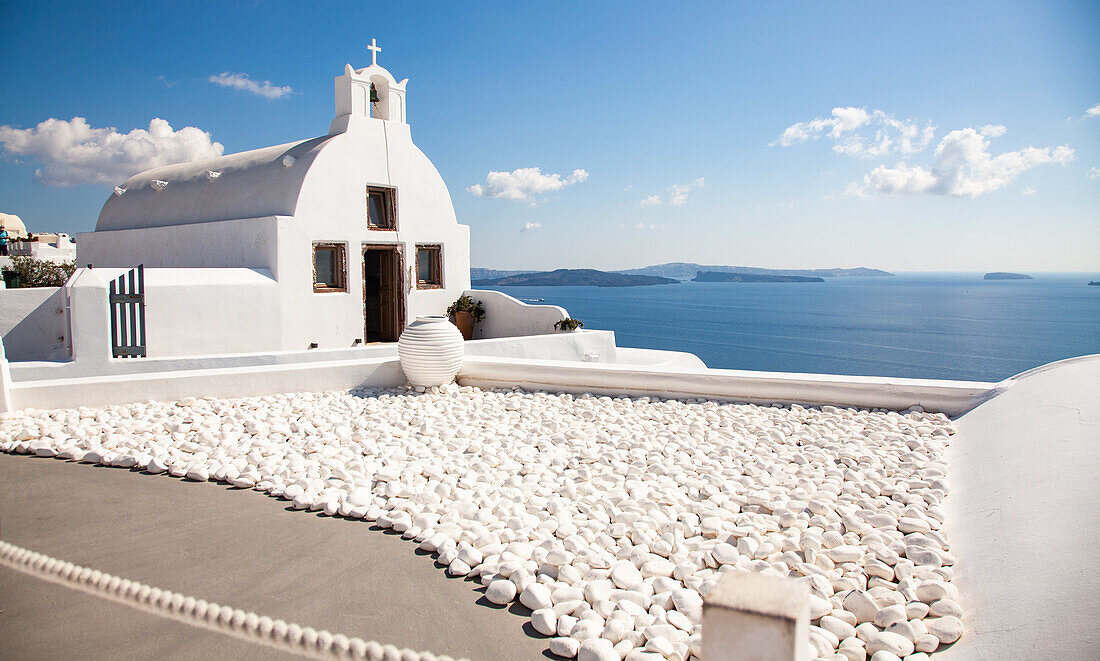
[{"x": 127, "y": 303}]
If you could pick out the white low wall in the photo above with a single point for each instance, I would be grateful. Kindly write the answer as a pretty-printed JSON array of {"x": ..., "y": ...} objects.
[
  {"x": 229, "y": 382},
  {"x": 673, "y": 360},
  {"x": 1022, "y": 517},
  {"x": 186, "y": 312},
  {"x": 582, "y": 345},
  {"x": 949, "y": 397},
  {"x": 502, "y": 362},
  {"x": 508, "y": 317},
  {"x": 33, "y": 323}
]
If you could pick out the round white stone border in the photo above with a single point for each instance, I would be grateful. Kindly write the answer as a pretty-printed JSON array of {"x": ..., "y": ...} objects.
[{"x": 226, "y": 620}]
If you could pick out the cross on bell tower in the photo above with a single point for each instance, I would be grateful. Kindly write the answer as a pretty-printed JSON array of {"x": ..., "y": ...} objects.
[
  {"x": 374, "y": 51},
  {"x": 370, "y": 93}
]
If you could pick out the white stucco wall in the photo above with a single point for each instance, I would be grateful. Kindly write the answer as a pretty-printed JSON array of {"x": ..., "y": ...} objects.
[
  {"x": 247, "y": 243},
  {"x": 187, "y": 312},
  {"x": 44, "y": 251},
  {"x": 674, "y": 381},
  {"x": 506, "y": 316},
  {"x": 34, "y": 324},
  {"x": 332, "y": 208},
  {"x": 593, "y": 345},
  {"x": 1022, "y": 517}
]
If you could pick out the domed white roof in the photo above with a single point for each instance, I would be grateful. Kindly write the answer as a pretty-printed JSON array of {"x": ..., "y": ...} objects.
[
  {"x": 250, "y": 184},
  {"x": 13, "y": 224}
]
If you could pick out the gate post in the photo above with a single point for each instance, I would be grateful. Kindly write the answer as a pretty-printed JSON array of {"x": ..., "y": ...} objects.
[
  {"x": 753, "y": 617},
  {"x": 5, "y": 381},
  {"x": 89, "y": 317}
]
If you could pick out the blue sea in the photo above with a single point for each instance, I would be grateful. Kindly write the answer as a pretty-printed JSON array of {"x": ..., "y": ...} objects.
[{"x": 941, "y": 326}]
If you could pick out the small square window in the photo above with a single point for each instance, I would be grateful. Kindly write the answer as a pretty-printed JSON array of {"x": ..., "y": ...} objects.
[
  {"x": 429, "y": 267},
  {"x": 381, "y": 212},
  {"x": 329, "y": 272}
]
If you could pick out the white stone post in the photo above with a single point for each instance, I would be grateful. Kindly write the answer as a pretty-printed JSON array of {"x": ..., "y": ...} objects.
[
  {"x": 5, "y": 381},
  {"x": 89, "y": 317},
  {"x": 752, "y": 617}
]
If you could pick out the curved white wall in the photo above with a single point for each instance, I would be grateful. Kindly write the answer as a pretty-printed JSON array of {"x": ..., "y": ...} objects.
[
  {"x": 506, "y": 316},
  {"x": 1022, "y": 517}
]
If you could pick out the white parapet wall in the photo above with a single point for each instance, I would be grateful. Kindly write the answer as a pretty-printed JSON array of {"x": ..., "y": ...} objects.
[
  {"x": 675, "y": 381},
  {"x": 506, "y": 316},
  {"x": 185, "y": 312},
  {"x": 1022, "y": 517},
  {"x": 34, "y": 324}
]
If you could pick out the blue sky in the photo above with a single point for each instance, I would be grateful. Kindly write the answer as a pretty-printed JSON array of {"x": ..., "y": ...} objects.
[{"x": 961, "y": 139}]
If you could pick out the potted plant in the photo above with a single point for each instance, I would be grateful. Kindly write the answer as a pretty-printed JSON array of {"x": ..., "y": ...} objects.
[
  {"x": 568, "y": 325},
  {"x": 466, "y": 312}
]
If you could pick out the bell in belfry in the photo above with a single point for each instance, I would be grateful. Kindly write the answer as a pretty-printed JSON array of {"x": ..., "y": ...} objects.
[{"x": 373, "y": 94}]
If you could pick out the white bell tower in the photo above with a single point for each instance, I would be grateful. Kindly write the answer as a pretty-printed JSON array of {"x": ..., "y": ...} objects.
[{"x": 371, "y": 92}]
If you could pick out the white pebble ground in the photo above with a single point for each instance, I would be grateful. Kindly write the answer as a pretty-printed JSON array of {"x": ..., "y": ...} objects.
[{"x": 610, "y": 518}]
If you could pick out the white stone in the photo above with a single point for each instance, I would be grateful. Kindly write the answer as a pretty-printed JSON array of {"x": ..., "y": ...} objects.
[
  {"x": 947, "y": 629},
  {"x": 625, "y": 575},
  {"x": 862, "y": 605},
  {"x": 887, "y": 616},
  {"x": 927, "y": 643},
  {"x": 890, "y": 642},
  {"x": 944, "y": 607},
  {"x": 597, "y": 649},
  {"x": 501, "y": 592},
  {"x": 565, "y": 647},
  {"x": 536, "y": 596},
  {"x": 545, "y": 621},
  {"x": 845, "y": 553}
]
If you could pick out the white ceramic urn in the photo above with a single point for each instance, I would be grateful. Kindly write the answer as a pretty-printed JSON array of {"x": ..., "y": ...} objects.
[{"x": 430, "y": 350}]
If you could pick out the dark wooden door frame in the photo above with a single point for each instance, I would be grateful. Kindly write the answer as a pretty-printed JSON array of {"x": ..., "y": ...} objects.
[{"x": 399, "y": 262}]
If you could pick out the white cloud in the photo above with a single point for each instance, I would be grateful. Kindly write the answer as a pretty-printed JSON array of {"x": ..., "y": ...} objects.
[
  {"x": 71, "y": 152},
  {"x": 644, "y": 226},
  {"x": 1028, "y": 192},
  {"x": 961, "y": 167},
  {"x": 241, "y": 81},
  {"x": 529, "y": 226},
  {"x": 678, "y": 194},
  {"x": 857, "y": 132},
  {"x": 524, "y": 184},
  {"x": 1093, "y": 111},
  {"x": 1093, "y": 173}
]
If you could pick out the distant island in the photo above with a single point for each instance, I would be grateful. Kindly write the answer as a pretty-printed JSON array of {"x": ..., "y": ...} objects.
[
  {"x": 574, "y": 278},
  {"x": 490, "y": 274},
  {"x": 1094, "y": 283},
  {"x": 1000, "y": 275},
  {"x": 715, "y": 276},
  {"x": 688, "y": 271}
]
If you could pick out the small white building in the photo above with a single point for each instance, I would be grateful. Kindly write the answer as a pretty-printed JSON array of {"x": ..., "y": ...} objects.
[
  {"x": 329, "y": 242},
  {"x": 47, "y": 246}
]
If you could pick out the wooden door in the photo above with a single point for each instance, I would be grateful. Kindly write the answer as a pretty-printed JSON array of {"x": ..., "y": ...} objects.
[{"x": 383, "y": 293}]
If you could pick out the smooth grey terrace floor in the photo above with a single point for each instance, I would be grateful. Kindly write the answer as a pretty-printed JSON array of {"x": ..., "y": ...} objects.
[{"x": 243, "y": 549}]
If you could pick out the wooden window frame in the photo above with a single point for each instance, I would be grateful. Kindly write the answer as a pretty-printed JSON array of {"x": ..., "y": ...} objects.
[
  {"x": 438, "y": 260},
  {"x": 389, "y": 196},
  {"x": 340, "y": 260}
]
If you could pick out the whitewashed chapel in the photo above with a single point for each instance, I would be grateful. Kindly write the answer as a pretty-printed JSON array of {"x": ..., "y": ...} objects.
[{"x": 329, "y": 242}]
